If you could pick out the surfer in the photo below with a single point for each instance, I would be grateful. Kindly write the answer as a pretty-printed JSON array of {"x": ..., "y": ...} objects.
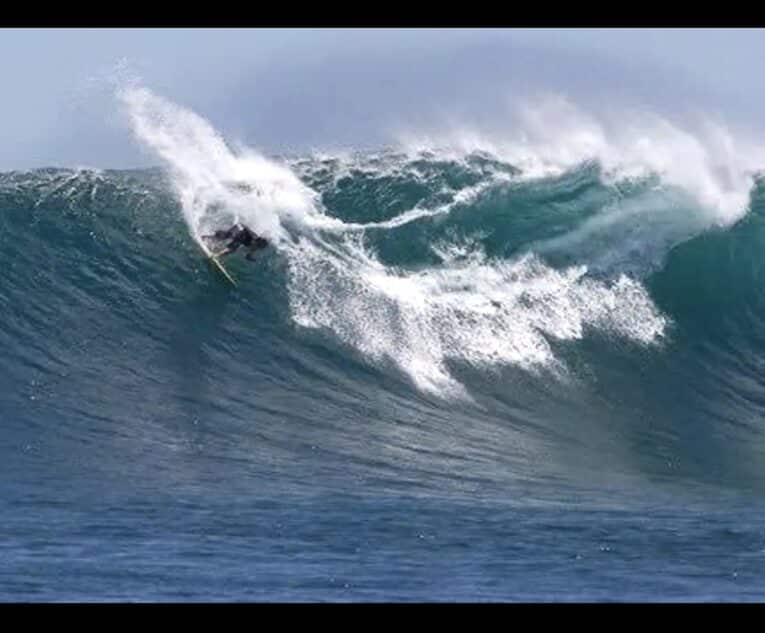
[{"x": 239, "y": 235}]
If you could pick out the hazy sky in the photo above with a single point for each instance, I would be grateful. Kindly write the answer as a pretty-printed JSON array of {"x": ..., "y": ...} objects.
[{"x": 277, "y": 89}]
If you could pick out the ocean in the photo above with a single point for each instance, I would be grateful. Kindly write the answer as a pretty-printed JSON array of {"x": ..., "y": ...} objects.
[{"x": 482, "y": 371}]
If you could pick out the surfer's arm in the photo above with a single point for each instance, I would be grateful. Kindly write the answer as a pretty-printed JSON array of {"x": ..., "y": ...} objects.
[{"x": 226, "y": 251}]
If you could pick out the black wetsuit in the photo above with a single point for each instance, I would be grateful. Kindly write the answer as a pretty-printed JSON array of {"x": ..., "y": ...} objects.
[{"x": 239, "y": 235}]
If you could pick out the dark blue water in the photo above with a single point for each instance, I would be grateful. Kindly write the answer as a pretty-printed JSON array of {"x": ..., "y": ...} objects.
[{"x": 359, "y": 546}]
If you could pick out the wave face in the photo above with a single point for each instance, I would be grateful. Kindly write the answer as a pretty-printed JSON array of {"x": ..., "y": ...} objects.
[{"x": 570, "y": 320}]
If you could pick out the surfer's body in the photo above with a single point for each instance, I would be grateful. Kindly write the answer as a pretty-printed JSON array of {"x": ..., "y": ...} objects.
[{"x": 239, "y": 235}]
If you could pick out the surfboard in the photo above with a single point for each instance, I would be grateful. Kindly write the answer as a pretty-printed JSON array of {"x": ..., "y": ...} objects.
[{"x": 215, "y": 261}]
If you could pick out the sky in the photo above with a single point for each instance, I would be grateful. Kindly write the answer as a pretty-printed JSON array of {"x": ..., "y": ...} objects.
[{"x": 292, "y": 89}]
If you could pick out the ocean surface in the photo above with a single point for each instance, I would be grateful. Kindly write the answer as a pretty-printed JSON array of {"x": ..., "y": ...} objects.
[{"x": 529, "y": 370}]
